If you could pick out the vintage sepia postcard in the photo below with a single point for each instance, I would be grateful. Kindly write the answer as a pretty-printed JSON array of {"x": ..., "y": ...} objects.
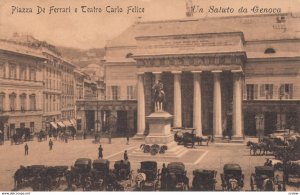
[{"x": 149, "y": 95}]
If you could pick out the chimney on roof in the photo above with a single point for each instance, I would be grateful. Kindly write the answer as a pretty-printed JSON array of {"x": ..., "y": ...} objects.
[{"x": 189, "y": 4}]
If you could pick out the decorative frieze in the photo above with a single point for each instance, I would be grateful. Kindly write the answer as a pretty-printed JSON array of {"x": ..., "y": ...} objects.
[{"x": 191, "y": 61}]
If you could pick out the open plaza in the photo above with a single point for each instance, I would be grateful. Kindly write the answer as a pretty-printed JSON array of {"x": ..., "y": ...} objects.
[{"x": 212, "y": 157}]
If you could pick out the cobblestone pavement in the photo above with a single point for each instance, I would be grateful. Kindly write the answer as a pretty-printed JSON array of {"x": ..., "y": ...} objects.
[{"x": 212, "y": 157}]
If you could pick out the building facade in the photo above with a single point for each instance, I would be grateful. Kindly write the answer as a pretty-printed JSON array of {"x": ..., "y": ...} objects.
[
  {"x": 38, "y": 81},
  {"x": 21, "y": 88},
  {"x": 236, "y": 80}
]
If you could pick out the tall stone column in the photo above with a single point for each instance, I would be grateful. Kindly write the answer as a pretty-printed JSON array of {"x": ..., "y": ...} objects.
[
  {"x": 197, "y": 110},
  {"x": 141, "y": 122},
  {"x": 177, "y": 99},
  {"x": 237, "y": 106},
  {"x": 217, "y": 107}
]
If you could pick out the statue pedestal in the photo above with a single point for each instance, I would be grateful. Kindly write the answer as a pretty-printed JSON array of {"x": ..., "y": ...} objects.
[
  {"x": 159, "y": 128},
  {"x": 160, "y": 133}
]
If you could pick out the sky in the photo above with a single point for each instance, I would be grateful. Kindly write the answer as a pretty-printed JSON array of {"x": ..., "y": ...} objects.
[{"x": 93, "y": 30}]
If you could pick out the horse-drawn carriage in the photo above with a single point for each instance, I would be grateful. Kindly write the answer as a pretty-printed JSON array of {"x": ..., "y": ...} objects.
[
  {"x": 263, "y": 179},
  {"x": 147, "y": 177},
  {"x": 188, "y": 137},
  {"x": 232, "y": 177},
  {"x": 53, "y": 177},
  {"x": 40, "y": 177},
  {"x": 176, "y": 177},
  {"x": 122, "y": 170},
  {"x": 27, "y": 176},
  {"x": 80, "y": 174},
  {"x": 204, "y": 180},
  {"x": 99, "y": 174},
  {"x": 42, "y": 136}
]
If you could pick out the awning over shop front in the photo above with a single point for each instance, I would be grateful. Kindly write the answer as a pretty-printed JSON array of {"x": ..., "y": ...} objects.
[
  {"x": 54, "y": 125},
  {"x": 73, "y": 121},
  {"x": 67, "y": 123},
  {"x": 60, "y": 124}
]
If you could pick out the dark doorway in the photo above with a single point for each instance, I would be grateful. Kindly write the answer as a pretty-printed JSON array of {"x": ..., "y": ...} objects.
[
  {"x": 121, "y": 122},
  {"x": 249, "y": 124},
  {"x": 291, "y": 120},
  {"x": 209, "y": 129},
  {"x": 270, "y": 122},
  {"x": 229, "y": 125},
  {"x": 90, "y": 120}
]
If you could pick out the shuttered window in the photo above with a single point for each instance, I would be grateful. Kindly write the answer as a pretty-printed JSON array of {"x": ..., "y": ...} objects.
[
  {"x": 266, "y": 91},
  {"x": 286, "y": 91},
  {"x": 115, "y": 91}
]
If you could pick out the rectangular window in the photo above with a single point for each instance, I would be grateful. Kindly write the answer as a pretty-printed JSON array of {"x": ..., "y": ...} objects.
[
  {"x": 115, "y": 92},
  {"x": 251, "y": 91},
  {"x": 2, "y": 95},
  {"x": 12, "y": 101},
  {"x": 23, "y": 102},
  {"x": 12, "y": 71},
  {"x": 286, "y": 91},
  {"x": 22, "y": 125},
  {"x": 22, "y": 73},
  {"x": 130, "y": 93},
  {"x": 2, "y": 70},
  {"x": 32, "y": 75},
  {"x": 32, "y": 99},
  {"x": 266, "y": 91}
]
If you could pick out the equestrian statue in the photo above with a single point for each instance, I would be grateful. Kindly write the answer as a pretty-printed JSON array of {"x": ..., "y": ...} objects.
[{"x": 159, "y": 96}]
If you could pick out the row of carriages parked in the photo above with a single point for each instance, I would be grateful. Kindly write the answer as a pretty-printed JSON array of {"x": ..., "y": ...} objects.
[{"x": 88, "y": 175}]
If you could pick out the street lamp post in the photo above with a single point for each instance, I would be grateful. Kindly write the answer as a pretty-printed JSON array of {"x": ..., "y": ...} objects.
[{"x": 97, "y": 121}]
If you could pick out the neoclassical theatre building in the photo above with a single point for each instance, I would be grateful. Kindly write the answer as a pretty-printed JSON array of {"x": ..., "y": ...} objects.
[{"x": 235, "y": 76}]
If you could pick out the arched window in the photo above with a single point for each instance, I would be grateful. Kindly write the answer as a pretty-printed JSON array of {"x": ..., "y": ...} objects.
[
  {"x": 129, "y": 55},
  {"x": 23, "y": 101},
  {"x": 270, "y": 50},
  {"x": 2, "y": 95},
  {"x": 2, "y": 70},
  {"x": 12, "y": 101},
  {"x": 32, "y": 99}
]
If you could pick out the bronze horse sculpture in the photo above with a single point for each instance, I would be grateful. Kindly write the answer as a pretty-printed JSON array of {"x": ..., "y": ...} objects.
[{"x": 159, "y": 96}]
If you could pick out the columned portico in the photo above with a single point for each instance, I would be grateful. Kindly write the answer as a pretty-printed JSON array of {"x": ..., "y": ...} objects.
[
  {"x": 237, "y": 105},
  {"x": 177, "y": 99},
  {"x": 217, "y": 107},
  {"x": 141, "y": 106},
  {"x": 197, "y": 110}
]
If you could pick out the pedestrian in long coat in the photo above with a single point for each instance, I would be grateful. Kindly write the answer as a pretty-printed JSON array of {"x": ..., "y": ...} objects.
[
  {"x": 26, "y": 149},
  {"x": 125, "y": 155},
  {"x": 163, "y": 178},
  {"x": 50, "y": 144},
  {"x": 100, "y": 152},
  {"x": 127, "y": 138}
]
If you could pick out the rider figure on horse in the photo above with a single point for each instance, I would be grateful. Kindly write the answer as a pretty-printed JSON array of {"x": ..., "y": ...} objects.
[{"x": 159, "y": 95}]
